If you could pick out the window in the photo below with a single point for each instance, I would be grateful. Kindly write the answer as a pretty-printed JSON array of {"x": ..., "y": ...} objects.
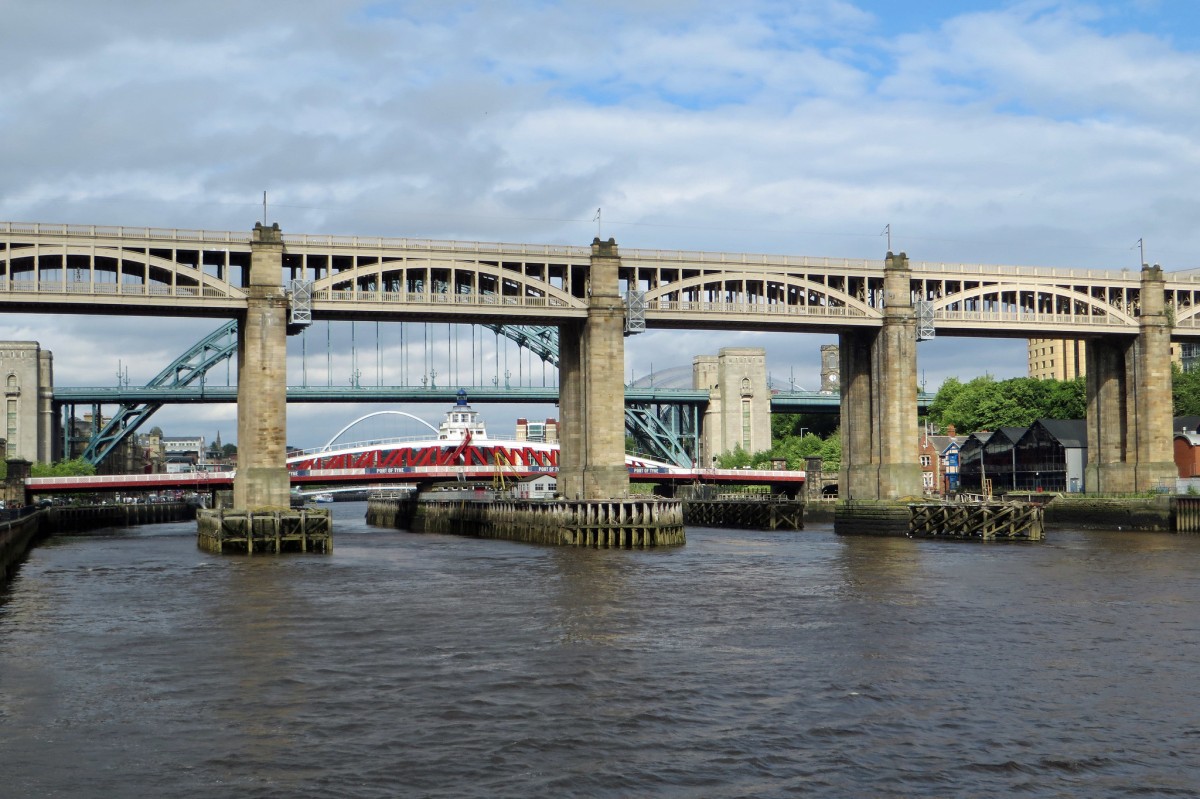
[
  {"x": 926, "y": 460},
  {"x": 746, "y": 425},
  {"x": 12, "y": 427}
]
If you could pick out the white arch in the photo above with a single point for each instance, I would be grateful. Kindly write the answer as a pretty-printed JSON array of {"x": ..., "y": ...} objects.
[{"x": 336, "y": 435}]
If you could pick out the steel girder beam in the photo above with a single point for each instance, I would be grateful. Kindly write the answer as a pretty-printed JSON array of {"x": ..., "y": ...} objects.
[{"x": 540, "y": 340}]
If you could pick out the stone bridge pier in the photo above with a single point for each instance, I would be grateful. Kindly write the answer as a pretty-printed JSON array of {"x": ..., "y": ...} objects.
[
  {"x": 879, "y": 398},
  {"x": 591, "y": 387},
  {"x": 262, "y": 476},
  {"x": 1129, "y": 403}
]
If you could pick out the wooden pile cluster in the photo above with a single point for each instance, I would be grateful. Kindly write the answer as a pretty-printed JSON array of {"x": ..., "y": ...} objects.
[
  {"x": 242, "y": 531},
  {"x": 749, "y": 513},
  {"x": 624, "y": 524},
  {"x": 981, "y": 521}
]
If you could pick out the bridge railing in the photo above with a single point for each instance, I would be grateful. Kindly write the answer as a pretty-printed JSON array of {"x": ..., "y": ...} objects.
[
  {"x": 630, "y": 255},
  {"x": 93, "y": 289},
  {"x": 434, "y": 298},
  {"x": 446, "y": 245},
  {"x": 1001, "y": 270},
  {"x": 1024, "y": 317},
  {"x": 754, "y": 308},
  {"x": 122, "y": 232},
  {"x": 180, "y": 478}
]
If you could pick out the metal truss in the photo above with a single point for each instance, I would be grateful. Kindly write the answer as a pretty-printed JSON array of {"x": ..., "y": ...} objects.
[
  {"x": 299, "y": 305},
  {"x": 635, "y": 312},
  {"x": 188, "y": 369},
  {"x": 542, "y": 341},
  {"x": 925, "y": 330},
  {"x": 662, "y": 431}
]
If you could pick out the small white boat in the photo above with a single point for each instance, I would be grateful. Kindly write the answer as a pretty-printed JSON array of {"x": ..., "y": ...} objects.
[{"x": 322, "y": 498}]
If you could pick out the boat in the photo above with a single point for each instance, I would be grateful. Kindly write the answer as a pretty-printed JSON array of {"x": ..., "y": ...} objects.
[{"x": 322, "y": 498}]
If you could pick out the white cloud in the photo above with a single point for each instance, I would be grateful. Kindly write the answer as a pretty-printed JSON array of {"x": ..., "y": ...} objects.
[{"x": 1022, "y": 133}]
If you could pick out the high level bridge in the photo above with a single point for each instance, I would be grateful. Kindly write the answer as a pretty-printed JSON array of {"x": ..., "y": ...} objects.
[{"x": 274, "y": 283}]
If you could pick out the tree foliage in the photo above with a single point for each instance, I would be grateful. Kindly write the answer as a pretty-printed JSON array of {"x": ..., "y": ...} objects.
[
  {"x": 1185, "y": 391},
  {"x": 75, "y": 467},
  {"x": 987, "y": 404},
  {"x": 792, "y": 449},
  {"x": 785, "y": 425}
]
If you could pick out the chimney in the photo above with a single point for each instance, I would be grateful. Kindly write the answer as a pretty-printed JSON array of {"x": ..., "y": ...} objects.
[{"x": 950, "y": 430}]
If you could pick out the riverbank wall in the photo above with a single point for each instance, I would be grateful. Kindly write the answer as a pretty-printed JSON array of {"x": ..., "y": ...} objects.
[
  {"x": 17, "y": 537},
  {"x": 85, "y": 518},
  {"x": 23, "y": 531},
  {"x": 1086, "y": 512}
]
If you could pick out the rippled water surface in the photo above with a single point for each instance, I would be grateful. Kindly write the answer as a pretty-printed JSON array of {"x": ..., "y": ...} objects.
[{"x": 745, "y": 664}]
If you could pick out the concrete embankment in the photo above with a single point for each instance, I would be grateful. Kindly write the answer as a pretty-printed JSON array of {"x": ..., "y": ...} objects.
[
  {"x": 1111, "y": 513},
  {"x": 17, "y": 537},
  {"x": 23, "y": 532}
]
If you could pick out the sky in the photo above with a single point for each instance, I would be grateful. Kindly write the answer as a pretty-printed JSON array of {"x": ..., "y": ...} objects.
[{"x": 1031, "y": 133}]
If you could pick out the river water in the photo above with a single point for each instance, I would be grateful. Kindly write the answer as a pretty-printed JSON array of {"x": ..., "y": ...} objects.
[{"x": 744, "y": 664}]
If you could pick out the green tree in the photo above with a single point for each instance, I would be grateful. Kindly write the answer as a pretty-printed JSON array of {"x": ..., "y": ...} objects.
[
  {"x": 1185, "y": 392},
  {"x": 735, "y": 459},
  {"x": 794, "y": 450},
  {"x": 73, "y": 468},
  {"x": 785, "y": 425},
  {"x": 985, "y": 403}
]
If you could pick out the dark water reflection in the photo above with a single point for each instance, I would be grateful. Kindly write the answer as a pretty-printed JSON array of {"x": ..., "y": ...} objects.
[{"x": 744, "y": 664}]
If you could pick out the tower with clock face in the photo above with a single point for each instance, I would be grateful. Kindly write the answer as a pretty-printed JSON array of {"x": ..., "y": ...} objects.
[{"x": 830, "y": 369}]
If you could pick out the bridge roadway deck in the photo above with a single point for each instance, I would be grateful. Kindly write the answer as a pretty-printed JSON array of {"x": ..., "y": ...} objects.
[
  {"x": 781, "y": 401},
  {"x": 121, "y": 270},
  {"x": 217, "y": 481}
]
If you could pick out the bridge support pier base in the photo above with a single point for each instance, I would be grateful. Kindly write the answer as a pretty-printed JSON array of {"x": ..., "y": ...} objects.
[
  {"x": 261, "y": 518},
  {"x": 879, "y": 399},
  {"x": 592, "y": 390},
  {"x": 1129, "y": 404},
  {"x": 262, "y": 477}
]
